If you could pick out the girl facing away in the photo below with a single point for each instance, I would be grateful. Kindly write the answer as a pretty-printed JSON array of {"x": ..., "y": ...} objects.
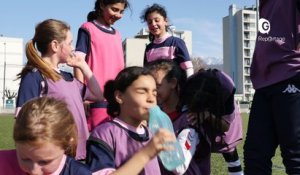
[
  {"x": 125, "y": 145},
  {"x": 208, "y": 97},
  {"x": 162, "y": 44},
  {"x": 93, "y": 46},
  {"x": 45, "y": 136},
  {"x": 51, "y": 45},
  {"x": 170, "y": 79}
]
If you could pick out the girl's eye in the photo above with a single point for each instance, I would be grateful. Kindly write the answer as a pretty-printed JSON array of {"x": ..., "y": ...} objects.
[
  {"x": 140, "y": 91},
  {"x": 44, "y": 162},
  {"x": 155, "y": 94},
  {"x": 26, "y": 160}
]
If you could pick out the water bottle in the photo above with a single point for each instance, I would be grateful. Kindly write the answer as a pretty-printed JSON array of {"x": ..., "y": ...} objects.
[{"x": 173, "y": 158}]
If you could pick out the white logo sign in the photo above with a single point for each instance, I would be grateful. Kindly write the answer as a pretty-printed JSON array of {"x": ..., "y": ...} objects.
[{"x": 264, "y": 26}]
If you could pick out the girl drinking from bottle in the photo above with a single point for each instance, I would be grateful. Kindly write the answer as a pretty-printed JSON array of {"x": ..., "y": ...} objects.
[
  {"x": 125, "y": 145},
  {"x": 50, "y": 46}
]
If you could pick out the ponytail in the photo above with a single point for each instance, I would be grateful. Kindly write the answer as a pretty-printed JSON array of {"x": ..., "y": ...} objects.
[
  {"x": 113, "y": 107},
  {"x": 91, "y": 16},
  {"x": 35, "y": 61}
]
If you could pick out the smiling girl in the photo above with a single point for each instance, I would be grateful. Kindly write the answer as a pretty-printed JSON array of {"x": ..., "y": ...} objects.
[
  {"x": 162, "y": 44},
  {"x": 101, "y": 46}
]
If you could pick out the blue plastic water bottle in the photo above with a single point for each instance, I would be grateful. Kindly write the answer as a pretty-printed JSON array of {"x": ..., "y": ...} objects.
[{"x": 158, "y": 119}]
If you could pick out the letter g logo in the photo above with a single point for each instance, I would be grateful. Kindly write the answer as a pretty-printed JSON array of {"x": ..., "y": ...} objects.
[{"x": 264, "y": 26}]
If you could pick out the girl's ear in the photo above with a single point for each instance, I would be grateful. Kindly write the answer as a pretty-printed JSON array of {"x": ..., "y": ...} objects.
[
  {"x": 54, "y": 45},
  {"x": 119, "y": 97}
]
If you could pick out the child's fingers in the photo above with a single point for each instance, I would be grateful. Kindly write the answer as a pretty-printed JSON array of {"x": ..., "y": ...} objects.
[{"x": 192, "y": 119}]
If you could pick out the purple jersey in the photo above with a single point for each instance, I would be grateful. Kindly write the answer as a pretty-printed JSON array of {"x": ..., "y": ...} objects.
[
  {"x": 198, "y": 165},
  {"x": 168, "y": 47},
  {"x": 231, "y": 114},
  {"x": 113, "y": 143},
  {"x": 275, "y": 57},
  {"x": 67, "y": 89}
]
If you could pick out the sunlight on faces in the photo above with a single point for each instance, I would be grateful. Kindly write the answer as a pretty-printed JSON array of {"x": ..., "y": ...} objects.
[
  {"x": 39, "y": 159},
  {"x": 138, "y": 98},
  {"x": 157, "y": 24},
  {"x": 66, "y": 48},
  {"x": 112, "y": 13},
  {"x": 164, "y": 88}
]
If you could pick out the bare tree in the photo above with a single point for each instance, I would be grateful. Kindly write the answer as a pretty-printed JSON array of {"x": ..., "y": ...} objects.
[{"x": 198, "y": 63}]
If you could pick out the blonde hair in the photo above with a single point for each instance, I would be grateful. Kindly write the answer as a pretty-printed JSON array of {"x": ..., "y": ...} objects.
[
  {"x": 45, "y": 33},
  {"x": 46, "y": 119}
]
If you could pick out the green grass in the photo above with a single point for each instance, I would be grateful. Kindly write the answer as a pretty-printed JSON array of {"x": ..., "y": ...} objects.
[
  {"x": 218, "y": 164},
  {"x": 6, "y": 128}
]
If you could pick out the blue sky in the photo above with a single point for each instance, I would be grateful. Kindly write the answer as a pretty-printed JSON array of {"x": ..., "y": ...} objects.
[{"x": 202, "y": 17}]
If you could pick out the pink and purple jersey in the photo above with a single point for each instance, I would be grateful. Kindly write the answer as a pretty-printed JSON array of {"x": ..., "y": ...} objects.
[
  {"x": 231, "y": 115},
  {"x": 113, "y": 143},
  {"x": 68, "y": 89},
  {"x": 104, "y": 54},
  {"x": 169, "y": 47},
  {"x": 103, "y": 49}
]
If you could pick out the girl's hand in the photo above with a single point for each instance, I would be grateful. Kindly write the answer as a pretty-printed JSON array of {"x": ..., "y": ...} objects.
[
  {"x": 75, "y": 61},
  {"x": 158, "y": 143},
  {"x": 215, "y": 123},
  {"x": 194, "y": 118}
]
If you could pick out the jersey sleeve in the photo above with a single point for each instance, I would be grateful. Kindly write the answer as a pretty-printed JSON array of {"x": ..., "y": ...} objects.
[
  {"x": 182, "y": 56},
  {"x": 83, "y": 41},
  {"x": 30, "y": 87},
  {"x": 188, "y": 140},
  {"x": 100, "y": 156}
]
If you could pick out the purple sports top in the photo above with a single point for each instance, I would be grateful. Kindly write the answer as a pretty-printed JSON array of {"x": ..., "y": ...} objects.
[{"x": 275, "y": 57}]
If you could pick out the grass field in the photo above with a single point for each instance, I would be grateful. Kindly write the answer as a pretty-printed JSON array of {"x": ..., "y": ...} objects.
[{"x": 217, "y": 163}]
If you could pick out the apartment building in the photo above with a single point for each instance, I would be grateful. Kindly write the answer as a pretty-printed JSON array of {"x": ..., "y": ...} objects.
[{"x": 239, "y": 35}]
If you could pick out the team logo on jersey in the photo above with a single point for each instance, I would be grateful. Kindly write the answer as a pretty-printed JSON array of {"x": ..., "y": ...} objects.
[
  {"x": 264, "y": 26},
  {"x": 291, "y": 89}
]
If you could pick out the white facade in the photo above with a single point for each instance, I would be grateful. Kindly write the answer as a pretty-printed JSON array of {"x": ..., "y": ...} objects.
[
  {"x": 239, "y": 35},
  {"x": 134, "y": 48},
  {"x": 11, "y": 63}
]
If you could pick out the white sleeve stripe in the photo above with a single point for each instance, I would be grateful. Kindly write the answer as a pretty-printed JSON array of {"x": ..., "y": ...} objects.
[{"x": 188, "y": 140}]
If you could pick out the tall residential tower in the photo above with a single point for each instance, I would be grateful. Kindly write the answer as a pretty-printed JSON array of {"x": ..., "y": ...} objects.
[{"x": 239, "y": 35}]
